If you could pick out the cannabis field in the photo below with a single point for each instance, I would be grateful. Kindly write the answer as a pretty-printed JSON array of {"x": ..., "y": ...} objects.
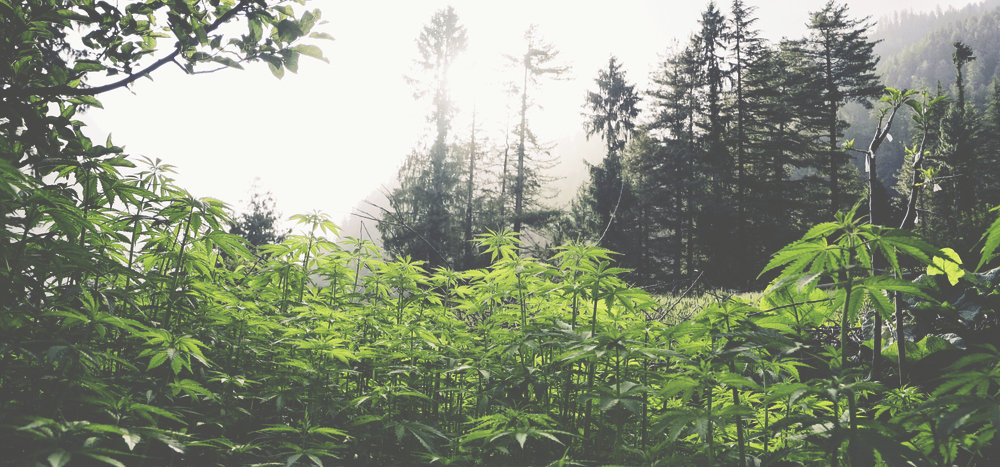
[{"x": 137, "y": 331}]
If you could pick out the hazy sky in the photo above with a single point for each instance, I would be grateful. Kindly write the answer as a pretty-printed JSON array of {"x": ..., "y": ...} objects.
[{"x": 325, "y": 138}]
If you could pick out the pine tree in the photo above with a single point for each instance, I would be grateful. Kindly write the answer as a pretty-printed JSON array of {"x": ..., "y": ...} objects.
[
  {"x": 764, "y": 138},
  {"x": 258, "y": 224},
  {"x": 956, "y": 157},
  {"x": 675, "y": 175},
  {"x": 959, "y": 136},
  {"x": 612, "y": 111},
  {"x": 845, "y": 63},
  {"x": 989, "y": 175},
  {"x": 746, "y": 46},
  {"x": 423, "y": 220},
  {"x": 470, "y": 197},
  {"x": 711, "y": 39}
]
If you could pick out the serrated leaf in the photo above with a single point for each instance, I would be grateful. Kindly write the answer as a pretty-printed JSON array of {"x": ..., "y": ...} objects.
[
  {"x": 176, "y": 364},
  {"x": 857, "y": 298},
  {"x": 881, "y": 302},
  {"x": 801, "y": 251},
  {"x": 897, "y": 285},
  {"x": 991, "y": 242},
  {"x": 157, "y": 360}
]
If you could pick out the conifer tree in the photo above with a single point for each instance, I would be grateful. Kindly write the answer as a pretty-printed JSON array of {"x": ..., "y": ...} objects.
[
  {"x": 611, "y": 113},
  {"x": 763, "y": 137},
  {"x": 958, "y": 136},
  {"x": 258, "y": 225},
  {"x": 746, "y": 45},
  {"x": 675, "y": 170},
  {"x": 423, "y": 219},
  {"x": 845, "y": 63},
  {"x": 989, "y": 175},
  {"x": 470, "y": 196},
  {"x": 537, "y": 62},
  {"x": 711, "y": 39}
]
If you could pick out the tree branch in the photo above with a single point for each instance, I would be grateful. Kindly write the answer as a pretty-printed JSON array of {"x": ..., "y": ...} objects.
[
  {"x": 400, "y": 223},
  {"x": 64, "y": 90}
]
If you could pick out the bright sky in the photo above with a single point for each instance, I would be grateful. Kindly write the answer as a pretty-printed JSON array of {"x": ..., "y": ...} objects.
[{"x": 327, "y": 137}]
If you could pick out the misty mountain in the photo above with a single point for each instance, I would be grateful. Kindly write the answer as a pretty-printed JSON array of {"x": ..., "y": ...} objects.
[{"x": 916, "y": 53}]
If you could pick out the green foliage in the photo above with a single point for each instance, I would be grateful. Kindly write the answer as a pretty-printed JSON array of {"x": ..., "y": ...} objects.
[
  {"x": 423, "y": 216},
  {"x": 171, "y": 353},
  {"x": 259, "y": 224},
  {"x": 135, "y": 330},
  {"x": 609, "y": 196}
]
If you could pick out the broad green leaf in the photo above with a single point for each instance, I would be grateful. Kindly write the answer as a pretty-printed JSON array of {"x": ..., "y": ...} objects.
[
  {"x": 321, "y": 35},
  {"x": 950, "y": 264},
  {"x": 227, "y": 62},
  {"x": 310, "y": 50},
  {"x": 87, "y": 66}
]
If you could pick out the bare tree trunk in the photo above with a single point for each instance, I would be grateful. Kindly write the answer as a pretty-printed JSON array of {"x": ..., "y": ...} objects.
[
  {"x": 519, "y": 188},
  {"x": 832, "y": 131},
  {"x": 469, "y": 194}
]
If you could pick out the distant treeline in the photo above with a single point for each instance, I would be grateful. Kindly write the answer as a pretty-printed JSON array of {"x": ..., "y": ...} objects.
[{"x": 743, "y": 144}]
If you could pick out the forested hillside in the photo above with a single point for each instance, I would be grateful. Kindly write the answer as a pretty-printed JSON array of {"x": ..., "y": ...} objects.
[
  {"x": 916, "y": 51},
  {"x": 140, "y": 325},
  {"x": 917, "y": 48}
]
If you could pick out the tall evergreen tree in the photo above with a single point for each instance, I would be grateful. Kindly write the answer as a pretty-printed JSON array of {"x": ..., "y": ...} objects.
[
  {"x": 746, "y": 46},
  {"x": 712, "y": 55},
  {"x": 763, "y": 137},
  {"x": 536, "y": 63},
  {"x": 675, "y": 175},
  {"x": 611, "y": 113},
  {"x": 423, "y": 220},
  {"x": 845, "y": 64},
  {"x": 989, "y": 176},
  {"x": 470, "y": 196},
  {"x": 959, "y": 136},
  {"x": 259, "y": 223}
]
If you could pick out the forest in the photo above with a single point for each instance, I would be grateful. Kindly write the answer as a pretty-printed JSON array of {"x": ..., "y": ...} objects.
[{"x": 789, "y": 254}]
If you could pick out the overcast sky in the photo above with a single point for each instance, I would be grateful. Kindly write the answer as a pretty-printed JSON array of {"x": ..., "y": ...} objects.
[{"x": 327, "y": 137}]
